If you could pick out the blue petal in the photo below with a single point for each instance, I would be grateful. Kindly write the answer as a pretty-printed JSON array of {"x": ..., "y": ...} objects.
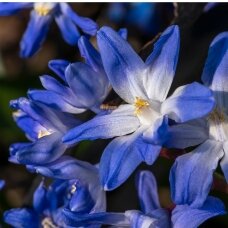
[
  {"x": 53, "y": 200},
  {"x": 158, "y": 133},
  {"x": 88, "y": 87},
  {"x": 215, "y": 70},
  {"x": 67, "y": 168},
  {"x": 50, "y": 118},
  {"x": 16, "y": 146},
  {"x": 7, "y": 9},
  {"x": 191, "y": 176},
  {"x": 87, "y": 25},
  {"x": 68, "y": 29},
  {"x": 185, "y": 216},
  {"x": 187, "y": 134},
  {"x": 189, "y": 102},
  {"x": 32, "y": 110},
  {"x": 35, "y": 34},
  {"x": 28, "y": 125},
  {"x": 50, "y": 83},
  {"x": 90, "y": 54},
  {"x": 162, "y": 64},
  {"x": 39, "y": 198},
  {"x": 105, "y": 126},
  {"x": 44, "y": 150},
  {"x": 58, "y": 217},
  {"x": 140, "y": 220},
  {"x": 59, "y": 66},
  {"x": 122, "y": 156},
  {"x": 123, "y": 66},
  {"x": 54, "y": 101},
  {"x": 21, "y": 217},
  {"x": 123, "y": 33},
  {"x": 81, "y": 201},
  {"x": 2, "y": 184},
  {"x": 118, "y": 162},
  {"x": 147, "y": 192},
  {"x": 224, "y": 161},
  {"x": 78, "y": 220}
]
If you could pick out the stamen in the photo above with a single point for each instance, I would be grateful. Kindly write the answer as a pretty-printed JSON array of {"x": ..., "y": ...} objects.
[
  {"x": 73, "y": 189},
  {"x": 217, "y": 114},
  {"x": 108, "y": 107},
  {"x": 139, "y": 104},
  {"x": 17, "y": 113},
  {"x": 43, "y": 9},
  {"x": 43, "y": 133},
  {"x": 47, "y": 223}
]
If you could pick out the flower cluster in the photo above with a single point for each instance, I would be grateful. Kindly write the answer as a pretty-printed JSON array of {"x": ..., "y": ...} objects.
[{"x": 147, "y": 119}]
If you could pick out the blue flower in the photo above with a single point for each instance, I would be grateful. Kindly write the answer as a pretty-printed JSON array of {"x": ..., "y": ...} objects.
[
  {"x": 44, "y": 127},
  {"x": 182, "y": 215},
  {"x": 85, "y": 85},
  {"x": 152, "y": 214},
  {"x": 40, "y": 19},
  {"x": 142, "y": 124},
  {"x": 192, "y": 173},
  {"x": 82, "y": 195}
]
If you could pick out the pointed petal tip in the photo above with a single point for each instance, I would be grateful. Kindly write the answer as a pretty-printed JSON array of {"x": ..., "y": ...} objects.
[
  {"x": 106, "y": 188},
  {"x": 219, "y": 37},
  {"x": 104, "y": 29},
  {"x": 173, "y": 29}
]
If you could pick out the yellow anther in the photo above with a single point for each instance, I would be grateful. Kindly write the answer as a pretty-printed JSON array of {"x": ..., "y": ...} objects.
[
  {"x": 42, "y": 10},
  {"x": 47, "y": 223},
  {"x": 43, "y": 133},
  {"x": 139, "y": 104}
]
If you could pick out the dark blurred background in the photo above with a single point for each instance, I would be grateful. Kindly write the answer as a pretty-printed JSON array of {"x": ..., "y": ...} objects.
[{"x": 144, "y": 24}]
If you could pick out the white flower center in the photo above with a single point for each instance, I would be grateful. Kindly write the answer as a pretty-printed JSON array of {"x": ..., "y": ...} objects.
[
  {"x": 218, "y": 121},
  {"x": 44, "y": 9},
  {"x": 145, "y": 112}
]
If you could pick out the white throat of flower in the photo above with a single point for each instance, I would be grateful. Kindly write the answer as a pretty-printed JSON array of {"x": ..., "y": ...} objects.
[
  {"x": 44, "y": 9},
  {"x": 145, "y": 112},
  {"x": 219, "y": 124}
]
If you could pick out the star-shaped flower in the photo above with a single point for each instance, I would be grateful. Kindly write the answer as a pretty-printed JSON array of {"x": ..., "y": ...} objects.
[{"x": 142, "y": 124}]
